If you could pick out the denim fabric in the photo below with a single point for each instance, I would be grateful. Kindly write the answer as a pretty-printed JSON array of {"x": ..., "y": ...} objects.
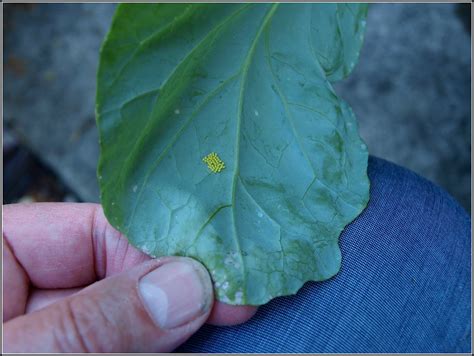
[{"x": 404, "y": 284}]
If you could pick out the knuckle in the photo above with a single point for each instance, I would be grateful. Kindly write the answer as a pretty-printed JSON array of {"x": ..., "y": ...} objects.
[{"x": 85, "y": 327}]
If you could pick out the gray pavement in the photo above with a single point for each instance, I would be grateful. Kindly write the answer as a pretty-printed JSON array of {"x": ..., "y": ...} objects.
[{"x": 410, "y": 90}]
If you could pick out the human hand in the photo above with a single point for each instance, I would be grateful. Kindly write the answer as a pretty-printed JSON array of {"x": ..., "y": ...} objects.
[{"x": 72, "y": 283}]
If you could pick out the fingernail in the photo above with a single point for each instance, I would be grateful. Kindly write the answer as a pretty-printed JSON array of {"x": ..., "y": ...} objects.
[{"x": 176, "y": 293}]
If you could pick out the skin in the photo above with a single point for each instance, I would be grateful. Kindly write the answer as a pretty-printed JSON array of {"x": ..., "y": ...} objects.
[{"x": 70, "y": 285}]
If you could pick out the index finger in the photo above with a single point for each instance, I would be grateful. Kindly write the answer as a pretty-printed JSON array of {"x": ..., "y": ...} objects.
[{"x": 65, "y": 245}]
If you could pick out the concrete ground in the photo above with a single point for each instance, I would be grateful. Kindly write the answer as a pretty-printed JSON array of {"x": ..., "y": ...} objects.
[{"x": 410, "y": 90}]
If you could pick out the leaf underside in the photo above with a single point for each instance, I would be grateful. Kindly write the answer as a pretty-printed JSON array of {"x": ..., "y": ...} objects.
[{"x": 223, "y": 140}]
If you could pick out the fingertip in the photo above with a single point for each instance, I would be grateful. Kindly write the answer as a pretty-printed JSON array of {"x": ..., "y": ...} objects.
[{"x": 227, "y": 315}]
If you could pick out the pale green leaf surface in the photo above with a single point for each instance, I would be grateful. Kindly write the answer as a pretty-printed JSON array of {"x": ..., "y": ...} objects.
[{"x": 250, "y": 82}]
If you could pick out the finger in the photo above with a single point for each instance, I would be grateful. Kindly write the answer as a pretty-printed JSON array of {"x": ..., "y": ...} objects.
[
  {"x": 66, "y": 245},
  {"x": 151, "y": 308},
  {"x": 226, "y": 315},
  {"x": 41, "y": 298},
  {"x": 222, "y": 314},
  {"x": 15, "y": 285}
]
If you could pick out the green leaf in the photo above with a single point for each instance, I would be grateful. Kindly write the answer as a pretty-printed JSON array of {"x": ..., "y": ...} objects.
[{"x": 250, "y": 83}]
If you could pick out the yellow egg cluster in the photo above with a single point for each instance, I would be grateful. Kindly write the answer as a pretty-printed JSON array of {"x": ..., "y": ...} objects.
[{"x": 214, "y": 163}]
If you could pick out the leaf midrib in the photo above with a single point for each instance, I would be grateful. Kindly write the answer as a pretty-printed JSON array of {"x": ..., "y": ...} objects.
[{"x": 245, "y": 69}]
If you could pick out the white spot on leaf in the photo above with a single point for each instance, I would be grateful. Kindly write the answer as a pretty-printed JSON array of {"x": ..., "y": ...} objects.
[
  {"x": 238, "y": 297},
  {"x": 226, "y": 300}
]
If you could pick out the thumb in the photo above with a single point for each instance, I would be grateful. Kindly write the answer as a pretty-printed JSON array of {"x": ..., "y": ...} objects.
[{"x": 151, "y": 308}]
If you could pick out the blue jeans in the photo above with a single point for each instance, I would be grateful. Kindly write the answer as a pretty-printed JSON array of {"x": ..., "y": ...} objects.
[{"x": 404, "y": 284}]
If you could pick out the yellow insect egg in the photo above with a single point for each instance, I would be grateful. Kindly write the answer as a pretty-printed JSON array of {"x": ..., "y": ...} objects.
[{"x": 214, "y": 163}]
